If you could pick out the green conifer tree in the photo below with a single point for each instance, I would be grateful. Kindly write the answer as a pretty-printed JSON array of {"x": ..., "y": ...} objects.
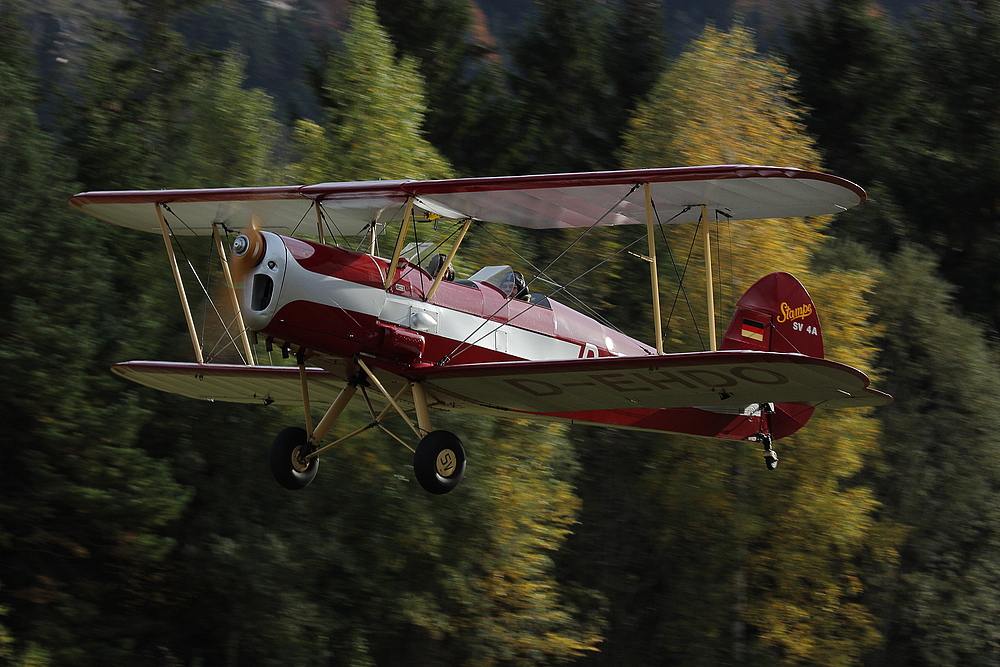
[
  {"x": 376, "y": 106},
  {"x": 940, "y": 473},
  {"x": 857, "y": 87},
  {"x": 227, "y": 135},
  {"x": 855, "y": 83},
  {"x": 560, "y": 79},
  {"x": 83, "y": 509},
  {"x": 635, "y": 56},
  {"x": 468, "y": 109}
]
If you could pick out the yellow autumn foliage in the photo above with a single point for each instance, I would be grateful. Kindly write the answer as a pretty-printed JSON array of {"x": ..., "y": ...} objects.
[
  {"x": 722, "y": 103},
  {"x": 796, "y": 533}
]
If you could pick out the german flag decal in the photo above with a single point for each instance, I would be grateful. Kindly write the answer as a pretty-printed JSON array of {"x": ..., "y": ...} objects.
[{"x": 752, "y": 329}]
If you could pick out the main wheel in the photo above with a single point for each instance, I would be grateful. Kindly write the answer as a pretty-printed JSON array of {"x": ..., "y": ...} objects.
[
  {"x": 439, "y": 462},
  {"x": 287, "y": 457}
]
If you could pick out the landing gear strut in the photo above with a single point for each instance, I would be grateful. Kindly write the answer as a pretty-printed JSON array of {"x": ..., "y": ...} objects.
[
  {"x": 438, "y": 460},
  {"x": 764, "y": 435}
]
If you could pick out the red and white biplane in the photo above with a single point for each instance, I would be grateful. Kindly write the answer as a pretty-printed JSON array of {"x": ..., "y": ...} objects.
[{"x": 415, "y": 340}]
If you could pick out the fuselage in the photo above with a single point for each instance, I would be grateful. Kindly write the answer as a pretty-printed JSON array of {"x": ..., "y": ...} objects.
[{"x": 333, "y": 300}]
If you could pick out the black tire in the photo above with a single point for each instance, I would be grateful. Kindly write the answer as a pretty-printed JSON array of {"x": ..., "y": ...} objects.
[
  {"x": 439, "y": 462},
  {"x": 288, "y": 466}
]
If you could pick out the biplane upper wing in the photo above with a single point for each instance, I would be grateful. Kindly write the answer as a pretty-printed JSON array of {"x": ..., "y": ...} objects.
[
  {"x": 282, "y": 209},
  {"x": 738, "y": 192},
  {"x": 715, "y": 380}
]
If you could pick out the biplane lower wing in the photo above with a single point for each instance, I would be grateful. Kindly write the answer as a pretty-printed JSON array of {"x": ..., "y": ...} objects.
[
  {"x": 720, "y": 382},
  {"x": 713, "y": 394},
  {"x": 280, "y": 385},
  {"x": 713, "y": 380}
]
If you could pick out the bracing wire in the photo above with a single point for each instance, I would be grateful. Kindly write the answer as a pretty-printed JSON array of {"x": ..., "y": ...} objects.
[
  {"x": 586, "y": 231},
  {"x": 209, "y": 301},
  {"x": 458, "y": 349},
  {"x": 539, "y": 275},
  {"x": 299, "y": 223},
  {"x": 732, "y": 265},
  {"x": 327, "y": 221},
  {"x": 680, "y": 275}
]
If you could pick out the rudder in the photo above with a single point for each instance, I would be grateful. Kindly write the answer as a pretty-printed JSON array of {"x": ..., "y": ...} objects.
[{"x": 776, "y": 315}]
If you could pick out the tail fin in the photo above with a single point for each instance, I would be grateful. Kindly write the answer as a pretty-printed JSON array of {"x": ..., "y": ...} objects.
[{"x": 776, "y": 315}]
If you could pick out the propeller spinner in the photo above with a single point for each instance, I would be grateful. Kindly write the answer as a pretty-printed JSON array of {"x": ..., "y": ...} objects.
[{"x": 248, "y": 251}]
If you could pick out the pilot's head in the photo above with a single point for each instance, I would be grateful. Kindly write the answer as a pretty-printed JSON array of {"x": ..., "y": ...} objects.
[
  {"x": 435, "y": 265},
  {"x": 513, "y": 285}
]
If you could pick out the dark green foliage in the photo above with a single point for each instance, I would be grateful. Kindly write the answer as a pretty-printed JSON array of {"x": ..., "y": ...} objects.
[
  {"x": 363, "y": 565},
  {"x": 578, "y": 70},
  {"x": 128, "y": 122},
  {"x": 470, "y": 110},
  {"x": 484, "y": 124},
  {"x": 855, "y": 80},
  {"x": 470, "y": 116},
  {"x": 276, "y": 41},
  {"x": 83, "y": 509},
  {"x": 954, "y": 172},
  {"x": 575, "y": 71},
  {"x": 857, "y": 85},
  {"x": 914, "y": 120},
  {"x": 374, "y": 107},
  {"x": 560, "y": 79},
  {"x": 940, "y": 474},
  {"x": 668, "y": 581},
  {"x": 635, "y": 55},
  {"x": 909, "y": 113}
]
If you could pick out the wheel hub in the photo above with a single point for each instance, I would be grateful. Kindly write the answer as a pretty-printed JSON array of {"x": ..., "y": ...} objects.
[
  {"x": 445, "y": 463},
  {"x": 299, "y": 461}
]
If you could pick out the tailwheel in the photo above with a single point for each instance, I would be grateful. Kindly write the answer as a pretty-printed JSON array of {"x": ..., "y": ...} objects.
[
  {"x": 770, "y": 456},
  {"x": 287, "y": 457},
  {"x": 770, "y": 460},
  {"x": 439, "y": 462}
]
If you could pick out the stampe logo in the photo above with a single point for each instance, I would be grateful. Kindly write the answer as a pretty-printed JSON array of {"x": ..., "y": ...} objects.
[{"x": 789, "y": 313}]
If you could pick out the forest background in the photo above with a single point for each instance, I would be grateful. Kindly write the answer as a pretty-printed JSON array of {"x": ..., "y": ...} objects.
[{"x": 139, "y": 528}]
